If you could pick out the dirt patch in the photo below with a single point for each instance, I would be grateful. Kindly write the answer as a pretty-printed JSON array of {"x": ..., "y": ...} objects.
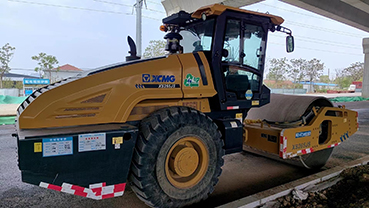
[{"x": 351, "y": 191}]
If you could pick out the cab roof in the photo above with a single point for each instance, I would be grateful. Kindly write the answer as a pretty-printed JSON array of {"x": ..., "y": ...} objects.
[{"x": 218, "y": 9}]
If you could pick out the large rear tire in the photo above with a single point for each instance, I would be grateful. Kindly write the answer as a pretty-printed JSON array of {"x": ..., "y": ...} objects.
[{"x": 177, "y": 159}]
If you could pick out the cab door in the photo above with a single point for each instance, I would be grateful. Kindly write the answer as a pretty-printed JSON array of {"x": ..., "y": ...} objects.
[
  {"x": 242, "y": 60},
  {"x": 241, "y": 64}
]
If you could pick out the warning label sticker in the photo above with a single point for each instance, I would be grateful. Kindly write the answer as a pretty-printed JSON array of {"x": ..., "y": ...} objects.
[
  {"x": 57, "y": 146},
  {"x": 91, "y": 142}
]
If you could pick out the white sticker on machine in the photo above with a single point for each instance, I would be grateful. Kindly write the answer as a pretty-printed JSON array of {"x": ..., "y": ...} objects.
[
  {"x": 57, "y": 146},
  {"x": 91, "y": 142},
  {"x": 234, "y": 124}
]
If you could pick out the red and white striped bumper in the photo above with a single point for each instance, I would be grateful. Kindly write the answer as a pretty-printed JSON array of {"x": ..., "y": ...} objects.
[{"x": 95, "y": 191}]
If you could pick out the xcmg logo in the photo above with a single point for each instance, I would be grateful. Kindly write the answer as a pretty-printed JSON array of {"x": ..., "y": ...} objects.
[{"x": 158, "y": 78}]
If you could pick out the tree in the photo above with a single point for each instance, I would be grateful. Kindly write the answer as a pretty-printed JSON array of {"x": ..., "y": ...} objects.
[
  {"x": 313, "y": 70},
  {"x": 297, "y": 70},
  {"x": 155, "y": 48},
  {"x": 342, "y": 80},
  {"x": 6, "y": 55},
  {"x": 355, "y": 71},
  {"x": 324, "y": 79},
  {"x": 7, "y": 83},
  {"x": 45, "y": 62},
  {"x": 278, "y": 69}
]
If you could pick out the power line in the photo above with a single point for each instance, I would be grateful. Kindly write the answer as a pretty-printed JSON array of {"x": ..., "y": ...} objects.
[
  {"x": 126, "y": 5},
  {"x": 300, "y": 13},
  {"x": 314, "y": 49},
  {"x": 320, "y": 41},
  {"x": 154, "y": 2},
  {"x": 311, "y": 26},
  {"x": 68, "y": 7},
  {"x": 79, "y": 8},
  {"x": 336, "y": 45},
  {"x": 114, "y": 3},
  {"x": 153, "y": 18},
  {"x": 324, "y": 29}
]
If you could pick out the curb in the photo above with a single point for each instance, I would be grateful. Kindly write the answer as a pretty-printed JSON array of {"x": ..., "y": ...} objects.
[{"x": 285, "y": 189}]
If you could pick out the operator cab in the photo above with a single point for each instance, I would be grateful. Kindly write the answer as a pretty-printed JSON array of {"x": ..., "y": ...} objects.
[{"x": 234, "y": 42}]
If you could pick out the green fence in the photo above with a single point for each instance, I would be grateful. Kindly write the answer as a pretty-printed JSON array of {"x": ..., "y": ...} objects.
[
  {"x": 6, "y": 99},
  {"x": 7, "y": 120},
  {"x": 347, "y": 99}
]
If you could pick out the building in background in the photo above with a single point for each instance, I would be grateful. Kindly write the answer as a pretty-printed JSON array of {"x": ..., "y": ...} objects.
[
  {"x": 13, "y": 83},
  {"x": 317, "y": 86},
  {"x": 62, "y": 72},
  {"x": 18, "y": 77}
]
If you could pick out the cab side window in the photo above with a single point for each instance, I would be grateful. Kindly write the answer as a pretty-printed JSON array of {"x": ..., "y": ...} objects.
[
  {"x": 253, "y": 45},
  {"x": 232, "y": 41}
]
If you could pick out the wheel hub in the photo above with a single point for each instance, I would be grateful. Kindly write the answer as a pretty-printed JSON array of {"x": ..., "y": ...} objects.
[
  {"x": 187, "y": 162},
  {"x": 184, "y": 161}
]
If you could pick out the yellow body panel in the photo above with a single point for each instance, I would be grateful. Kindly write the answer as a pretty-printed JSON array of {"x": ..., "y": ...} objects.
[
  {"x": 146, "y": 107},
  {"x": 263, "y": 138},
  {"x": 341, "y": 127},
  {"x": 191, "y": 68},
  {"x": 291, "y": 142},
  {"x": 111, "y": 95},
  {"x": 218, "y": 9}
]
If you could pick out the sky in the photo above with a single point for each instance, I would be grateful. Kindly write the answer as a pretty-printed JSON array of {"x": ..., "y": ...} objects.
[{"x": 93, "y": 33}]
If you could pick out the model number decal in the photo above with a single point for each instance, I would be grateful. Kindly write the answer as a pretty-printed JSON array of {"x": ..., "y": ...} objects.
[
  {"x": 142, "y": 86},
  {"x": 167, "y": 86},
  {"x": 304, "y": 145},
  {"x": 303, "y": 134},
  {"x": 158, "y": 78}
]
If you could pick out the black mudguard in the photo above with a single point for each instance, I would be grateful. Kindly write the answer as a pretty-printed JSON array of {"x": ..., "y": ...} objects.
[{"x": 92, "y": 162}]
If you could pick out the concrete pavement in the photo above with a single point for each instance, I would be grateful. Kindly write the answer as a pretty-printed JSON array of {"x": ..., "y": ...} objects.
[{"x": 300, "y": 184}]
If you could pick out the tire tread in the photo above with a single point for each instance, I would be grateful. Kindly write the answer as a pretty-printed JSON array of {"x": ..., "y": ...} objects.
[{"x": 143, "y": 162}]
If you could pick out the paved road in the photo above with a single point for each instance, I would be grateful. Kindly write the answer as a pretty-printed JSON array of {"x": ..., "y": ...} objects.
[{"x": 243, "y": 174}]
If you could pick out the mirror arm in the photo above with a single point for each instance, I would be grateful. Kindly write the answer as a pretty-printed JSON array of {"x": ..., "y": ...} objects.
[{"x": 284, "y": 30}]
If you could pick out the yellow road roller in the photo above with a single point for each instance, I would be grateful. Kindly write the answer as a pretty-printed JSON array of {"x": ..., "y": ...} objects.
[{"x": 164, "y": 124}]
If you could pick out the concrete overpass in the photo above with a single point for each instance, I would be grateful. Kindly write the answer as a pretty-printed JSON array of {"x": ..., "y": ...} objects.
[{"x": 351, "y": 12}]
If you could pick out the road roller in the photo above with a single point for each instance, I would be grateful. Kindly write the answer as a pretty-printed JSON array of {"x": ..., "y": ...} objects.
[{"x": 162, "y": 125}]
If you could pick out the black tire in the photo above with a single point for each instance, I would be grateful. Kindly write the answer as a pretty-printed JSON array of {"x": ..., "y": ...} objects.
[{"x": 158, "y": 133}]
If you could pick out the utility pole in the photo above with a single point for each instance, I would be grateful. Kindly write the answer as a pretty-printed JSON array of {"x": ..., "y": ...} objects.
[{"x": 139, "y": 26}]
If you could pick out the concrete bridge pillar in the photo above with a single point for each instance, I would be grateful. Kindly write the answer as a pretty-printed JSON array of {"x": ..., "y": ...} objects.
[{"x": 365, "y": 90}]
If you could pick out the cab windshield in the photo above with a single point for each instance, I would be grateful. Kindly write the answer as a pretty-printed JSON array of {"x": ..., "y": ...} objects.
[
  {"x": 197, "y": 37},
  {"x": 244, "y": 43}
]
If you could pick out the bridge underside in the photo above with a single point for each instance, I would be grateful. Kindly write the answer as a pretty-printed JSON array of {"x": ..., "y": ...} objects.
[{"x": 351, "y": 12}]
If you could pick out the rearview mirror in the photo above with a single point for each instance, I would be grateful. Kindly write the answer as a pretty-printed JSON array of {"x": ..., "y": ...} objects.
[{"x": 290, "y": 44}]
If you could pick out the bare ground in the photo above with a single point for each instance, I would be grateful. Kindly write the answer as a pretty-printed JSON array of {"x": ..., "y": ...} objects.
[{"x": 351, "y": 191}]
